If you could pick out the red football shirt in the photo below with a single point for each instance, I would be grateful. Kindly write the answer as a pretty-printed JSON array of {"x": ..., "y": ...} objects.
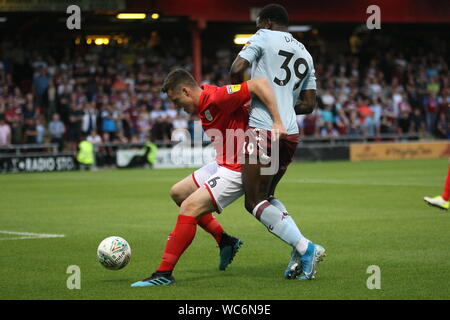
[{"x": 221, "y": 109}]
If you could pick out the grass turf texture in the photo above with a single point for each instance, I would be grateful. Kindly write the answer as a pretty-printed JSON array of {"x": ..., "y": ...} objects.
[{"x": 367, "y": 213}]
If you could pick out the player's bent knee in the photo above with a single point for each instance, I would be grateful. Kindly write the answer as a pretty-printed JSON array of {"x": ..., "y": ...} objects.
[
  {"x": 184, "y": 207},
  {"x": 249, "y": 205},
  {"x": 189, "y": 208},
  {"x": 176, "y": 194}
]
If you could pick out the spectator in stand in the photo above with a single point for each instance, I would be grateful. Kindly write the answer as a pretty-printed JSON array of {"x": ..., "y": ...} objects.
[
  {"x": 28, "y": 112},
  {"x": 94, "y": 137},
  {"x": 431, "y": 107},
  {"x": 30, "y": 131},
  {"x": 327, "y": 98},
  {"x": 341, "y": 120},
  {"x": 397, "y": 96},
  {"x": 365, "y": 117},
  {"x": 326, "y": 119},
  {"x": 387, "y": 125},
  {"x": 5, "y": 132},
  {"x": 433, "y": 86},
  {"x": 172, "y": 113},
  {"x": 391, "y": 114},
  {"x": 19, "y": 99},
  {"x": 13, "y": 116},
  {"x": 40, "y": 129},
  {"x": 180, "y": 125},
  {"x": 329, "y": 131},
  {"x": 443, "y": 127},
  {"x": 12, "y": 112},
  {"x": 404, "y": 115},
  {"x": 377, "y": 111},
  {"x": 74, "y": 130},
  {"x": 109, "y": 118},
  {"x": 51, "y": 106},
  {"x": 119, "y": 85},
  {"x": 143, "y": 124},
  {"x": 354, "y": 123},
  {"x": 63, "y": 102},
  {"x": 131, "y": 116},
  {"x": 416, "y": 120},
  {"x": 161, "y": 128},
  {"x": 57, "y": 129},
  {"x": 40, "y": 85},
  {"x": 89, "y": 122}
]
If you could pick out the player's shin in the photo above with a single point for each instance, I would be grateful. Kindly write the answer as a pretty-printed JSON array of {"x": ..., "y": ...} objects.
[
  {"x": 206, "y": 222},
  {"x": 277, "y": 203},
  {"x": 302, "y": 244},
  {"x": 280, "y": 224},
  {"x": 177, "y": 242},
  {"x": 212, "y": 226}
]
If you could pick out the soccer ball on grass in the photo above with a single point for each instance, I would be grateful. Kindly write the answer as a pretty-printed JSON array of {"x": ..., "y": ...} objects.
[{"x": 114, "y": 253}]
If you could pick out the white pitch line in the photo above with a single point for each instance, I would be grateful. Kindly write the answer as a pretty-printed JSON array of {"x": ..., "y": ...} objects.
[
  {"x": 30, "y": 235},
  {"x": 20, "y": 238}
]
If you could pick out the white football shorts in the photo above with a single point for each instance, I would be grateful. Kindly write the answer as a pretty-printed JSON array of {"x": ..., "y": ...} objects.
[{"x": 224, "y": 185}]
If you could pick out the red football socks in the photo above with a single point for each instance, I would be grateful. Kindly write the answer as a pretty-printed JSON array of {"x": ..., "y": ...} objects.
[
  {"x": 446, "y": 194},
  {"x": 180, "y": 238},
  {"x": 211, "y": 225}
]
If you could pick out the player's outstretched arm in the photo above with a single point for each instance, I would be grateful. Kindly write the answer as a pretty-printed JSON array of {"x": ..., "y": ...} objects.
[
  {"x": 307, "y": 102},
  {"x": 237, "y": 70},
  {"x": 262, "y": 89}
]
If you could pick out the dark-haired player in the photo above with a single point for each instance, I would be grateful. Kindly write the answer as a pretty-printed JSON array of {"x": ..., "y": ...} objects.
[
  {"x": 274, "y": 54},
  {"x": 220, "y": 109}
]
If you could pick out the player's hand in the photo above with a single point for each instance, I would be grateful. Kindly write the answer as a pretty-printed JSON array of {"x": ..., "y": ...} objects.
[{"x": 278, "y": 131}]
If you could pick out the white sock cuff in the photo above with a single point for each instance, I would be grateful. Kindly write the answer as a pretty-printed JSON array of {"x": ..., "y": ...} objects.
[{"x": 255, "y": 209}]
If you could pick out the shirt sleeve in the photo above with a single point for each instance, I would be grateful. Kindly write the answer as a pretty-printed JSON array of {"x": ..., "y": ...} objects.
[
  {"x": 254, "y": 48},
  {"x": 231, "y": 97},
  {"x": 308, "y": 84},
  {"x": 310, "y": 81}
]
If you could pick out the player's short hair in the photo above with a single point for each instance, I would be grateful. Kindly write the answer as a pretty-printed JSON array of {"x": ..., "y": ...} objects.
[
  {"x": 276, "y": 13},
  {"x": 177, "y": 78}
]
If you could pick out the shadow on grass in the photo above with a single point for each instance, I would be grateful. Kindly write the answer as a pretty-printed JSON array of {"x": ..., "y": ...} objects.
[
  {"x": 256, "y": 272},
  {"x": 122, "y": 280}
]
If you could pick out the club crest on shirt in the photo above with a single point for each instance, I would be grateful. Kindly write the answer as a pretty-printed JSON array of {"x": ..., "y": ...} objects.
[
  {"x": 233, "y": 88},
  {"x": 208, "y": 115}
]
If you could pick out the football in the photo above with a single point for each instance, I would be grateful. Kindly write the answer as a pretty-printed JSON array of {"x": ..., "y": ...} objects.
[{"x": 114, "y": 253}]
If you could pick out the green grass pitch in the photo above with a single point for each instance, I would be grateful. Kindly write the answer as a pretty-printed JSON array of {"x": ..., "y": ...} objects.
[{"x": 367, "y": 213}]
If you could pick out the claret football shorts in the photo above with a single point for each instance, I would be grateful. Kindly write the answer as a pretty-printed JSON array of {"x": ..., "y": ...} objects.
[{"x": 258, "y": 144}]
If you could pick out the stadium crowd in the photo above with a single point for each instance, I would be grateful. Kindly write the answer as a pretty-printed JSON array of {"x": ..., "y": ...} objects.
[
  {"x": 112, "y": 93},
  {"x": 389, "y": 88}
]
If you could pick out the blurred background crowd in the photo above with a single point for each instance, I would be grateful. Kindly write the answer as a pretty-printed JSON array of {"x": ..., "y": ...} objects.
[{"x": 378, "y": 86}]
